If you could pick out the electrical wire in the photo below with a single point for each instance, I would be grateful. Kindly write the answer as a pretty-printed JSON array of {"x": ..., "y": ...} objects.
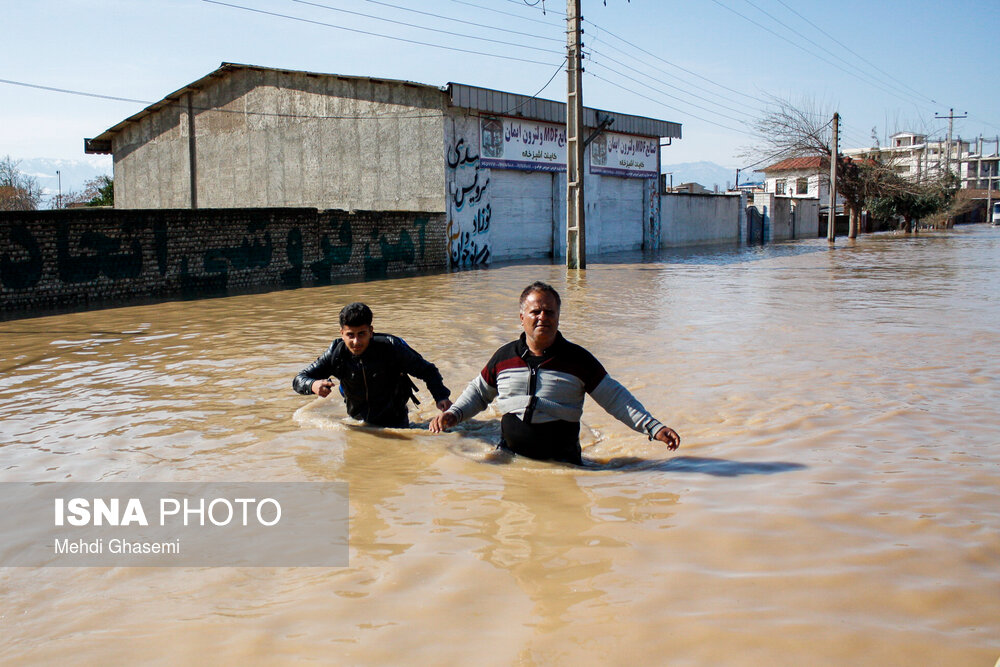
[
  {"x": 184, "y": 106},
  {"x": 73, "y": 92},
  {"x": 497, "y": 11},
  {"x": 885, "y": 86},
  {"x": 547, "y": 83},
  {"x": 597, "y": 38},
  {"x": 525, "y": 3},
  {"x": 683, "y": 69},
  {"x": 374, "y": 34},
  {"x": 802, "y": 48},
  {"x": 463, "y": 22},
  {"x": 850, "y": 50},
  {"x": 661, "y": 103},
  {"x": 660, "y": 81},
  {"x": 420, "y": 27},
  {"x": 673, "y": 97}
]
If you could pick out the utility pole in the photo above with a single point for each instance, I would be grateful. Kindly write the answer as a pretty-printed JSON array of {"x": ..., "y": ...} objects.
[
  {"x": 576, "y": 239},
  {"x": 831, "y": 225},
  {"x": 951, "y": 125}
]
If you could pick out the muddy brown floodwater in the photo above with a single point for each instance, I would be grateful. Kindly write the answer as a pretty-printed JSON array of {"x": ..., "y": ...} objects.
[{"x": 836, "y": 499}]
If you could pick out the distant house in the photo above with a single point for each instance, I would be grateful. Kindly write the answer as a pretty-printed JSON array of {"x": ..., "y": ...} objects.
[
  {"x": 798, "y": 177},
  {"x": 691, "y": 189},
  {"x": 245, "y": 136}
]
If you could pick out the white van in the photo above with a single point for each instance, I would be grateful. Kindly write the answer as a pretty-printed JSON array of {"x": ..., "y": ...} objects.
[{"x": 995, "y": 219}]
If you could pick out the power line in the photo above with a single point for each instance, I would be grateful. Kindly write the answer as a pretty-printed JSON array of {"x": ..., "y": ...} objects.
[
  {"x": 477, "y": 24},
  {"x": 147, "y": 103},
  {"x": 798, "y": 46},
  {"x": 697, "y": 106},
  {"x": 704, "y": 120},
  {"x": 73, "y": 92},
  {"x": 879, "y": 83},
  {"x": 381, "y": 116},
  {"x": 420, "y": 27},
  {"x": 705, "y": 99},
  {"x": 525, "y": 3},
  {"x": 850, "y": 50},
  {"x": 375, "y": 34},
  {"x": 683, "y": 69},
  {"x": 547, "y": 83},
  {"x": 497, "y": 11}
]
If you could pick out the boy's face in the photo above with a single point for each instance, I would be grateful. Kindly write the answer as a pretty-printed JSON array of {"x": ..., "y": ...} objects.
[{"x": 357, "y": 338}]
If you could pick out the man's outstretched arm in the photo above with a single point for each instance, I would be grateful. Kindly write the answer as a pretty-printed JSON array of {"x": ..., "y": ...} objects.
[{"x": 626, "y": 408}]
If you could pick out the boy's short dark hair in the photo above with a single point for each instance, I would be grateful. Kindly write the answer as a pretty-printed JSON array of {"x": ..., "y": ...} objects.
[
  {"x": 539, "y": 286},
  {"x": 356, "y": 314}
]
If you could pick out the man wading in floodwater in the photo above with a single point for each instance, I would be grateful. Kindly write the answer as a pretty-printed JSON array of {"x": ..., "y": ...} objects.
[
  {"x": 539, "y": 381},
  {"x": 374, "y": 372}
]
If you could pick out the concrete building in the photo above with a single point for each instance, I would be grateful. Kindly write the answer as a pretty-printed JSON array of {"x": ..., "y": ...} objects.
[
  {"x": 913, "y": 156},
  {"x": 246, "y": 136}
]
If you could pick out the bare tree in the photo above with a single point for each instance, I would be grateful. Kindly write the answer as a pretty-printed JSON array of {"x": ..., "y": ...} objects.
[
  {"x": 18, "y": 191},
  {"x": 789, "y": 130}
]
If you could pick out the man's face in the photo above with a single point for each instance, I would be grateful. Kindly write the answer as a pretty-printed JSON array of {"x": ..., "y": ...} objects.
[
  {"x": 357, "y": 338},
  {"x": 540, "y": 319}
]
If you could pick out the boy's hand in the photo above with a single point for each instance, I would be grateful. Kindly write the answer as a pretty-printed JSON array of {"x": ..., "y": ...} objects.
[{"x": 322, "y": 388}]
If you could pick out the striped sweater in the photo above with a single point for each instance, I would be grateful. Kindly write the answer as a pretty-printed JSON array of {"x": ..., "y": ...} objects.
[{"x": 550, "y": 387}]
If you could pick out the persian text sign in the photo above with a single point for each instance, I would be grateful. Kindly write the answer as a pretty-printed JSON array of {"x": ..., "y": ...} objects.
[
  {"x": 510, "y": 143},
  {"x": 618, "y": 154},
  {"x": 161, "y": 524}
]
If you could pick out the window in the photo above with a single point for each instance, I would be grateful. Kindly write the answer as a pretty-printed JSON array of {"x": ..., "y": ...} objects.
[
  {"x": 802, "y": 186},
  {"x": 779, "y": 186}
]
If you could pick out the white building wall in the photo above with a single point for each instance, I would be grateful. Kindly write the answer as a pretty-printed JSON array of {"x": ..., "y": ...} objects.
[{"x": 699, "y": 219}]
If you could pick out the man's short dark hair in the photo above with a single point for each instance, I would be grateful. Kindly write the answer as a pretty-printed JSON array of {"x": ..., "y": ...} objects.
[
  {"x": 356, "y": 314},
  {"x": 539, "y": 286}
]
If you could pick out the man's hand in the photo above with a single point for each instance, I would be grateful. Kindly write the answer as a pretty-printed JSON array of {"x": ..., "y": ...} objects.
[
  {"x": 322, "y": 388},
  {"x": 443, "y": 404},
  {"x": 442, "y": 422},
  {"x": 669, "y": 436}
]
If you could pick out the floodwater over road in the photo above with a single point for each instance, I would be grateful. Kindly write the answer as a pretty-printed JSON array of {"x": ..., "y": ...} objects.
[{"x": 835, "y": 501}]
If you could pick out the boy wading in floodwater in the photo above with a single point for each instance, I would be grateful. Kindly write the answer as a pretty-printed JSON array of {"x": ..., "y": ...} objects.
[{"x": 374, "y": 371}]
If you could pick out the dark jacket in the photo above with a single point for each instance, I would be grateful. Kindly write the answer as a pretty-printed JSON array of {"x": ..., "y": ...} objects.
[{"x": 375, "y": 385}]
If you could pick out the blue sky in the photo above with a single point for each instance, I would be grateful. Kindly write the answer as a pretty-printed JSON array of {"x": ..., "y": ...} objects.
[{"x": 709, "y": 65}]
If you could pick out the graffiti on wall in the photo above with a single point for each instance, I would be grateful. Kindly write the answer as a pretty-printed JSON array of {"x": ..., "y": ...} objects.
[
  {"x": 21, "y": 266},
  {"x": 333, "y": 252},
  {"x": 380, "y": 252},
  {"x": 145, "y": 254},
  {"x": 651, "y": 238},
  {"x": 469, "y": 206}
]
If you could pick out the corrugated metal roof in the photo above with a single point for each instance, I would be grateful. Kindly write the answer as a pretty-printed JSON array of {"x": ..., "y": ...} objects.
[
  {"x": 511, "y": 104},
  {"x": 460, "y": 95}
]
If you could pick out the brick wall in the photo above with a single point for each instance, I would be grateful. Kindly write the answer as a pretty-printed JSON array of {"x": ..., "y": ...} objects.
[{"x": 69, "y": 260}]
